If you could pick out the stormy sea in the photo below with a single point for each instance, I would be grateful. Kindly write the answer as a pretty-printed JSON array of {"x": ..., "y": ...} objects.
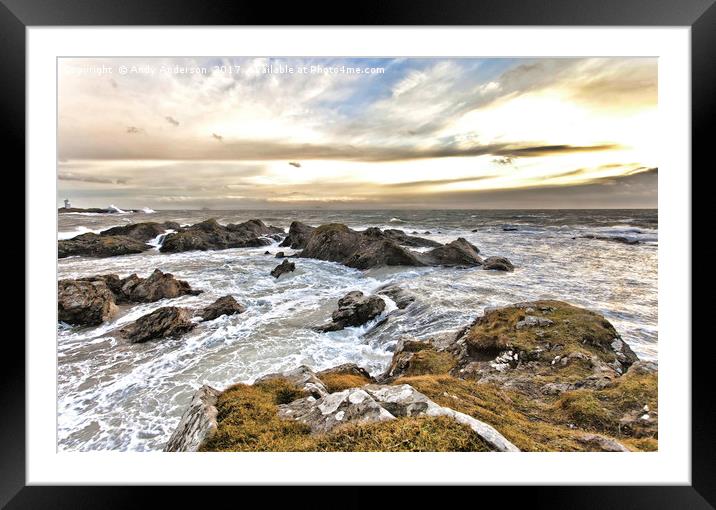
[{"x": 113, "y": 395}]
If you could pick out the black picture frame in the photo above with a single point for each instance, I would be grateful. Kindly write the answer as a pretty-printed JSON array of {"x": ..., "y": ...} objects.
[{"x": 700, "y": 15}]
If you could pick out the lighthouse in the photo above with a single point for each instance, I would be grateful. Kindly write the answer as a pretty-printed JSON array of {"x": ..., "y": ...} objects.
[{"x": 67, "y": 204}]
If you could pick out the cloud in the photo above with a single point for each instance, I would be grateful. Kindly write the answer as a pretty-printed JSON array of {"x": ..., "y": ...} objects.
[
  {"x": 133, "y": 130},
  {"x": 67, "y": 176},
  {"x": 171, "y": 120}
]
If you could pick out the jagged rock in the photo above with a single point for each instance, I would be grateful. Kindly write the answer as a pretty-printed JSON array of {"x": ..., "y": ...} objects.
[
  {"x": 400, "y": 296},
  {"x": 354, "y": 309},
  {"x": 303, "y": 377},
  {"x": 324, "y": 414},
  {"x": 280, "y": 255},
  {"x": 226, "y": 305},
  {"x": 381, "y": 253},
  {"x": 198, "y": 422},
  {"x": 165, "y": 322},
  {"x": 283, "y": 267},
  {"x": 210, "y": 235},
  {"x": 400, "y": 237},
  {"x": 458, "y": 253},
  {"x": 498, "y": 264},
  {"x": 298, "y": 234},
  {"x": 95, "y": 245},
  {"x": 158, "y": 286},
  {"x": 141, "y": 231},
  {"x": 134, "y": 289},
  {"x": 375, "y": 403},
  {"x": 84, "y": 303},
  {"x": 374, "y": 248}
]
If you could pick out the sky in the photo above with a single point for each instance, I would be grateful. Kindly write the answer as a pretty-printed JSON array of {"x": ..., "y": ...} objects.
[{"x": 342, "y": 133}]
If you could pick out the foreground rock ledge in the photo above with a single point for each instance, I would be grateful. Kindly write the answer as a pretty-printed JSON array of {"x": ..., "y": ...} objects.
[
  {"x": 370, "y": 404},
  {"x": 536, "y": 376}
]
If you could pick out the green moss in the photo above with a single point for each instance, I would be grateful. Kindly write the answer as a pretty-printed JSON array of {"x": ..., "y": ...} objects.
[
  {"x": 613, "y": 409},
  {"x": 418, "y": 434},
  {"x": 248, "y": 421},
  {"x": 573, "y": 329},
  {"x": 430, "y": 362},
  {"x": 531, "y": 424},
  {"x": 339, "y": 382}
]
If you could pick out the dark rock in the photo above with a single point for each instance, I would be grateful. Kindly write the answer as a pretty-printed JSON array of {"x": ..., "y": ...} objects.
[
  {"x": 354, "y": 309},
  {"x": 458, "y": 253},
  {"x": 210, "y": 235},
  {"x": 400, "y": 237},
  {"x": 298, "y": 234},
  {"x": 280, "y": 255},
  {"x": 226, "y": 305},
  {"x": 616, "y": 239},
  {"x": 509, "y": 229},
  {"x": 400, "y": 296},
  {"x": 84, "y": 303},
  {"x": 165, "y": 322},
  {"x": 95, "y": 245},
  {"x": 283, "y": 267},
  {"x": 157, "y": 286},
  {"x": 267, "y": 252},
  {"x": 381, "y": 253},
  {"x": 141, "y": 231},
  {"x": 374, "y": 248},
  {"x": 497, "y": 264}
]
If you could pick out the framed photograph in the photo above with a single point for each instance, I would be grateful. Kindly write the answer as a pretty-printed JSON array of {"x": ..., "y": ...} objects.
[{"x": 442, "y": 245}]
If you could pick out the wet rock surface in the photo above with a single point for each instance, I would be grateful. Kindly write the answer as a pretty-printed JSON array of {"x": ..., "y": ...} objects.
[
  {"x": 298, "y": 234},
  {"x": 283, "y": 268},
  {"x": 376, "y": 248},
  {"x": 86, "y": 303},
  {"x": 210, "y": 235},
  {"x": 225, "y": 305},
  {"x": 168, "y": 321},
  {"x": 354, "y": 309},
  {"x": 95, "y": 245}
]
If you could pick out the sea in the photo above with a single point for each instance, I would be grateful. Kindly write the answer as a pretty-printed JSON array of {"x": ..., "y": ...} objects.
[{"x": 129, "y": 397}]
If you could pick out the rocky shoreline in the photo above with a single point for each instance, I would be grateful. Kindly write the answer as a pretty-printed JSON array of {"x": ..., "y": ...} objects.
[
  {"x": 507, "y": 382},
  {"x": 535, "y": 376}
]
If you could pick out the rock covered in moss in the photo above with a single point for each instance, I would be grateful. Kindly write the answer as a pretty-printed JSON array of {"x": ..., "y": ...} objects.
[
  {"x": 225, "y": 305},
  {"x": 164, "y": 322},
  {"x": 86, "y": 303},
  {"x": 354, "y": 309}
]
